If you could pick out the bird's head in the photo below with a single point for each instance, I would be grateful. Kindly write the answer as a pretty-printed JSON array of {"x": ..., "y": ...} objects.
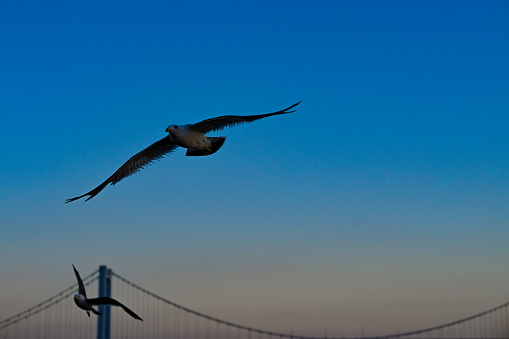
[
  {"x": 172, "y": 129},
  {"x": 79, "y": 297}
]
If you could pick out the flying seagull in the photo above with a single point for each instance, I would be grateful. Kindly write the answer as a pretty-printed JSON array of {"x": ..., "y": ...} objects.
[
  {"x": 191, "y": 136},
  {"x": 86, "y": 304}
]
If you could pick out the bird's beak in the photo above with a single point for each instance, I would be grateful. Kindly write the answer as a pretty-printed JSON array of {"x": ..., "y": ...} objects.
[{"x": 168, "y": 129}]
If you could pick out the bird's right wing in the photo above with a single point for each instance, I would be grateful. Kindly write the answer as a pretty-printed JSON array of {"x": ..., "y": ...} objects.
[
  {"x": 111, "y": 301},
  {"x": 137, "y": 162},
  {"x": 81, "y": 288},
  {"x": 218, "y": 123}
]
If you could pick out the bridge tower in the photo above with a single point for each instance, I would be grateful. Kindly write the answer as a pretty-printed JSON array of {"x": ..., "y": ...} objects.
[{"x": 103, "y": 322}]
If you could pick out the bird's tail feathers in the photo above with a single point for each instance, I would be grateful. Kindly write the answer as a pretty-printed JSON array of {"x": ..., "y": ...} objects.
[
  {"x": 95, "y": 311},
  {"x": 216, "y": 142}
]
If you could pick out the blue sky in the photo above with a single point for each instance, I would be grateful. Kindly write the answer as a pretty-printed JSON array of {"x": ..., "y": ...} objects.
[{"x": 384, "y": 196}]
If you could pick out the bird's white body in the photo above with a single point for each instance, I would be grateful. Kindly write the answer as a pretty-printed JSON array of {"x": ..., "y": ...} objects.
[
  {"x": 81, "y": 302},
  {"x": 188, "y": 138}
]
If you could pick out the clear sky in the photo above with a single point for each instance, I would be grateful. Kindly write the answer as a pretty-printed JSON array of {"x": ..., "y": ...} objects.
[{"x": 382, "y": 203}]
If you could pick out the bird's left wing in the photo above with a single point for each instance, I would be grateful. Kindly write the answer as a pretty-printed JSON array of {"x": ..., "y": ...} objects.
[
  {"x": 137, "y": 162},
  {"x": 217, "y": 124},
  {"x": 81, "y": 288},
  {"x": 111, "y": 301}
]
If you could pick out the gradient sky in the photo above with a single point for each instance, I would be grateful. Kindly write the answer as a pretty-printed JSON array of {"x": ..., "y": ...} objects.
[{"x": 382, "y": 203}]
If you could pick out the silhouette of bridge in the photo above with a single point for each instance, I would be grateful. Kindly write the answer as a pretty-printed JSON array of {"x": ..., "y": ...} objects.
[{"x": 163, "y": 318}]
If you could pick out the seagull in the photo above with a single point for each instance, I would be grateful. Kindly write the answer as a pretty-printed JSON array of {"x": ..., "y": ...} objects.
[
  {"x": 86, "y": 304},
  {"x": 191, "y": 136}
]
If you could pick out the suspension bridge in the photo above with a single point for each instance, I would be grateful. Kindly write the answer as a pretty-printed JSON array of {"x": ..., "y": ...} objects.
[{"x": 58, "y": 317}]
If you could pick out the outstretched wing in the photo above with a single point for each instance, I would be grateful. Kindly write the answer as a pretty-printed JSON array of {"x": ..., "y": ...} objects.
[
  {"x": 217, "y": 124},
  {"x": 137, "y": 162},
  {"x": 81, "y": 288},
  {"x": 111, "y": 301}
]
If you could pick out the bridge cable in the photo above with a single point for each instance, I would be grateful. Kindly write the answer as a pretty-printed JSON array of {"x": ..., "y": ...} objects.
[{"x": 47, "y": 303}]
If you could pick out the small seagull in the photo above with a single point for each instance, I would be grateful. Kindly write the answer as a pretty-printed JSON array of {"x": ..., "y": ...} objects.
[
  {"x": 86, "y": 304},
  {"x": 191, "y": 136}
]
